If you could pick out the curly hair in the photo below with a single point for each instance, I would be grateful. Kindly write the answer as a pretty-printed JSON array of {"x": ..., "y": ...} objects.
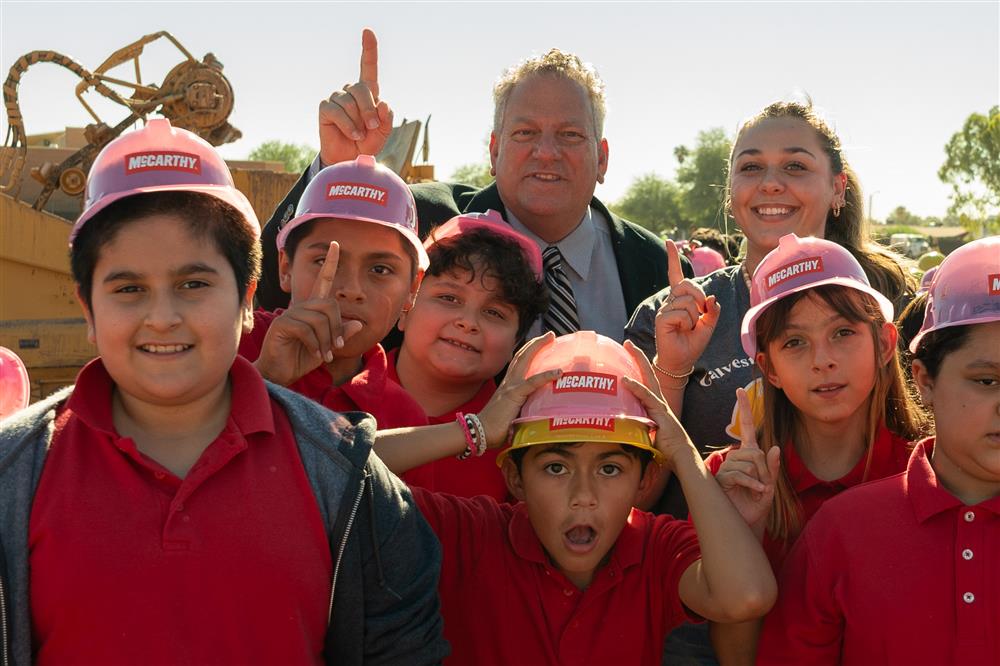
[{"x": 485, "y": 254}]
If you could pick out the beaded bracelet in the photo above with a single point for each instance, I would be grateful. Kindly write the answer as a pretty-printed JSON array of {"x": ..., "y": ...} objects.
[
  {"x": 470, "y": 443},
  {"x": 683, "y": 375},
  {"x": 480, "y": 431}
]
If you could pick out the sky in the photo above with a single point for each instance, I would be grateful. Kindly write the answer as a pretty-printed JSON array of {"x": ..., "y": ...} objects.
[{"x": 896, "y": 79}]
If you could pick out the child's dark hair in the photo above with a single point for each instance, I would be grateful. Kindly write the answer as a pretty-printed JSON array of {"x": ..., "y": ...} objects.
[
  {"x": 642, "y": 455},
  {"x": 205, "y": 216},
  {"x": 936, "y": 345},
  {"x": 298, "y": 233},
  {"x": 485, "y": 254}
]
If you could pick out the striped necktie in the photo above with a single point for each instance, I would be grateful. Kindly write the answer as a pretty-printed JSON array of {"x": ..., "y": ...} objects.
[{"x": 561, "y": 317}]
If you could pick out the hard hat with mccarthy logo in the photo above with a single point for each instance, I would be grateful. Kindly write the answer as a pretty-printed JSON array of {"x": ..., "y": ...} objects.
[
  {"x": 160, "y": 158},
  {"x": 798, "y": 264},
  {"x": 588, "y": 403},
  {"x": 360, "y": 189},
  {"x": 965, "y": 289}
]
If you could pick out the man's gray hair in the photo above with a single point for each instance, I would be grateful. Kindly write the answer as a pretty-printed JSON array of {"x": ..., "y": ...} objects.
[{"x": 554, "y": 63}]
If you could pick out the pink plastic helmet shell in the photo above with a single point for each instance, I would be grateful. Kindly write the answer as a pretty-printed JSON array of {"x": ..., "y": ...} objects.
[
  {"x": 798, "y": 264},
  {"x": 590, "y": 386},
  {"x": 492, "y": 221},
  {"x": 160, "y": 158},
  {"x": 965, "y": 290},
  {"x": 360, "y": 189},
  {"x": 705, "y": 260},
  {"x": 14, "y": 387},
  {"x": 926, "y": 279}
]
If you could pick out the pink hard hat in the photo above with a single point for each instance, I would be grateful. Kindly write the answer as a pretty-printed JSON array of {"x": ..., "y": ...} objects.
[
  {"x": 362, "y": 190},
  {"x": 798, "y": 264},
  {"x": 14, "y": 386},
  {"x": 705, "y": 260},
  {"x": 965, "y": 290},
  {"x": 588, "y": 402},
  {"x": 926, "y": 279},
  {"x": 491, "y": 221},
  {"x": 160, "y": 158}
]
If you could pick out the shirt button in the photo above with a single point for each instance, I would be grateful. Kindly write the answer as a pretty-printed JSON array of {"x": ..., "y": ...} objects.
[
  {"x": 966, "y": 554},
  {"x": 187, "y": 518},
  {"x": 970, "y": 516},
  {"x": 160, "y": 475},
  {"x": 568, "y": 592},
  {"x": 968, "y": 597},
  {"x": 180, "y": 507}
]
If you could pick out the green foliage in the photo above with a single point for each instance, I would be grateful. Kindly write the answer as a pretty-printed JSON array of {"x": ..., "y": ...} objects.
[
  {"x": 474, "y": 173},
  {"x": 972, "y": 168},
  {"x": 901, "y": 216},
  {"x": 654, "y": 203},
  {"x": 295, "y": 157},
  {"x": 702, "y": 177}
]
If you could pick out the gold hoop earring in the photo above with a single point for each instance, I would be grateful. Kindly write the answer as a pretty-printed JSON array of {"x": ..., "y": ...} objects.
[{"x": 836, "y": 209}]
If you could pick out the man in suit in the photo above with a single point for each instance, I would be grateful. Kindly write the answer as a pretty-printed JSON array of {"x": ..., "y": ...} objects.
[{"x": 548, "y": 153}]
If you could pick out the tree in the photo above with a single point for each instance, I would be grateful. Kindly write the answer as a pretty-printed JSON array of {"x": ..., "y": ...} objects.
[
  {"x": 295, "y": 157},
  {"x": 702, "y": 175},
  {"x": 654, "y": 203},
  {"x": 901, "y": 216},
  {"x": 972, "y": 168},
  {"x": 473, "y": 173}
]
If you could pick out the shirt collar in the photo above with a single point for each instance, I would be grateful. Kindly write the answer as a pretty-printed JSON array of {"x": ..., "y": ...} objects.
[
  {"x": 925, "y": 492},
  {"x": 250, "y": 409},
  {"x": 882, "y": 454},
  {"x": 369, "y": 385},
  {"x": 576, "y": 248},
  {"x": 627, "y": 551}
]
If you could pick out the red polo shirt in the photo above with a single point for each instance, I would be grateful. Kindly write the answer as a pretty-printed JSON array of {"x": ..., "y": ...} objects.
[
  {"x": 889, "y": 455},
  {"x": 504, "y": 603},
  {"x": 131, "y": 564},
  {"x": 368, "y": 391},
  {"x": 465, "y": 478},
  {"x": 898, "y": 571}
]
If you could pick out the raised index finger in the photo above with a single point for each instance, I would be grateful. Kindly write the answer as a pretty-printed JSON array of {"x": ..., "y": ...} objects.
[
  {"x": 674, "y": 272},
  {"x": 324, "y": 281},
  {"x": 369, "y": 61},
  {"x": 748, "y": 431}
]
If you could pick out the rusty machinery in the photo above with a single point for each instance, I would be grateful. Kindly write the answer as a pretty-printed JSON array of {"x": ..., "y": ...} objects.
[{"x": 194, "y": 95}]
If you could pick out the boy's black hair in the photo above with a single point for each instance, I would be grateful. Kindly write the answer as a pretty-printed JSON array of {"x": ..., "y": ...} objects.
[
  {"x": 298, "y": 233},
  {"x": 484, "y": 254},
  {"x": 644, "y": 456},
  {"x": 936, "y": 345},
  {"x": 205, "y": 216}
]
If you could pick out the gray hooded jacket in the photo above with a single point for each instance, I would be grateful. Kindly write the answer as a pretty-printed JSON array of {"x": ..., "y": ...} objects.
[{"x": 384, "y": 602}]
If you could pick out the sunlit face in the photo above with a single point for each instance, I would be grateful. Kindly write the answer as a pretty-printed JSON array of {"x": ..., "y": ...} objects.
[
  {"x": 373, "y": 280},
  {"x": 965, "y": 398},
  {"x": 781, "y": 182},
  {"x": 460, "y": 328},
  {"x": 165, "y": 312},
  {"x": 826, "y": 364},
  {"x": 547, "y": 155},
  {"x": 578, "y": 497}
]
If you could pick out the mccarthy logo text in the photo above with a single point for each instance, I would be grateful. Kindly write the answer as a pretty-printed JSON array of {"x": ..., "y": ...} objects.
[
  {"x": 358, "y": 191},
  {"x": 158, "y": 160},
  {"x": 588, "y": 382},
  {"x": 995, "y": 284},
  {"x": 810, "y": 265},
  {"x": 594, "y": 422}
]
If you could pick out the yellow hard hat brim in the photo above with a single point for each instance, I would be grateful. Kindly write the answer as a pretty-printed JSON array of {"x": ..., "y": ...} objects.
[{"x": 626, "y": 431}]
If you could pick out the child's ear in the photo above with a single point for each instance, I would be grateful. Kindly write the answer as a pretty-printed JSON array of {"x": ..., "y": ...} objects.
[
  {"x": 411, "y": 299},
  {"x": 513, "y": 477},
  {"x": 765, "y": 370},
  {"x": 88, "y": 316},
  {"x": 887, "y": 339},
  {"x": 924, "y": 382},
  {"x": 284, "y": 271},
  {"x": 246, "y": 307}
]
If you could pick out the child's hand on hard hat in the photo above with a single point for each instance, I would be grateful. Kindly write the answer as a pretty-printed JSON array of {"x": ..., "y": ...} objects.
[
  {"x": 354, "y": 121},
  {"x": 514, "y": 390},
  {"x": 671, "y": 438},
  {"x": 307, "y": 334},
  {"x": 684, "y": 323},
  {"x": 748, "y": 475}
]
